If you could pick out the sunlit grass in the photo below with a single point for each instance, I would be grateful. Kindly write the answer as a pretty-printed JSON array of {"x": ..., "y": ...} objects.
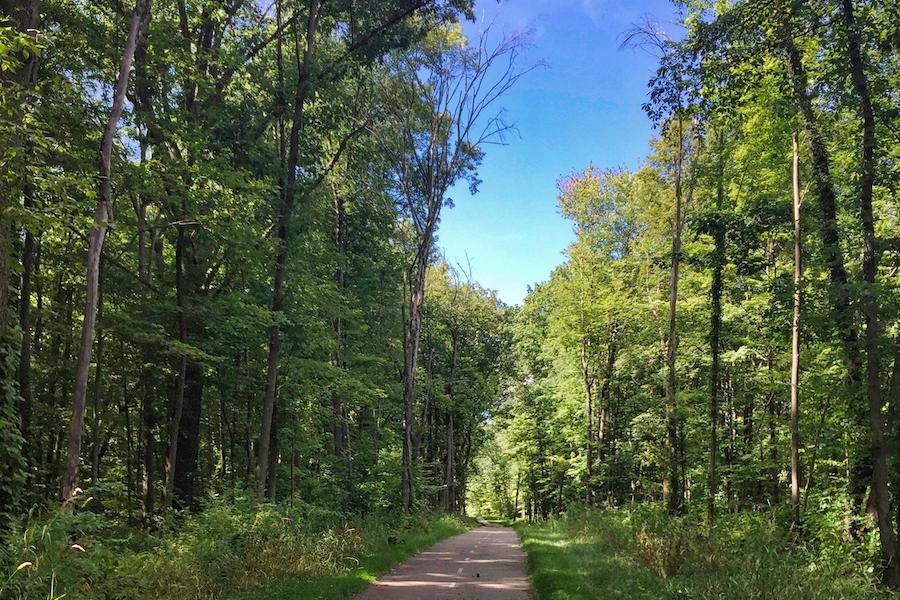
[
  {"x": 642, "y": 554},
  {"x": 234, "y": 550},
  {"x": 378, "y": 559}
]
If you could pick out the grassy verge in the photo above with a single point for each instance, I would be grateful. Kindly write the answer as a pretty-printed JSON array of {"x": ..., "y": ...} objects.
[
  {"x": 234, "y": 549},
  {"x": 378, "y": 558},
  {"x": 640, "y": 553}
]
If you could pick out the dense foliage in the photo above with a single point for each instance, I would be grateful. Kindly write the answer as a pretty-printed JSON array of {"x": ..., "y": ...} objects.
[
  {"x": 655, "y": 364},
  {"x": 235, "y": 548},
  {"x": 639, "y": 552},
  {"x": 226, "y": 331},
  {"x": 217, "y": 303}
]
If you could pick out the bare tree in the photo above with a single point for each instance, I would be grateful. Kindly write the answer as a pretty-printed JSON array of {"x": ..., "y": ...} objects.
[
  {"x": 95, "y": 248},
  {"x": 437, "y": 102}
]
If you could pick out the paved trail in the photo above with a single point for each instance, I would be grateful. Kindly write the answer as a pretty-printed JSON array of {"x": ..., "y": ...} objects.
[{"x": 483, "y": 564}]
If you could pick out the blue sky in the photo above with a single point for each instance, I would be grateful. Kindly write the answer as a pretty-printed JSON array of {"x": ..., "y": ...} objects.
[{"x": 585, "y": 107}]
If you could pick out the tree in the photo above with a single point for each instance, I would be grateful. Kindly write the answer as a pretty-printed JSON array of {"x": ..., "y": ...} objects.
[
  {"x": 444, "y": 86},
  {"x": 95, "y": 248},
  {"x": 795, "y": 338}
]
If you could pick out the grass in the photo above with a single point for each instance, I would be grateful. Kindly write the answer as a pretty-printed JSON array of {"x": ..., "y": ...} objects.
[
  {"x": 640, "y": 553},
  {"x": 377, "y": 560},
  {"x": 234, "y": 549}
]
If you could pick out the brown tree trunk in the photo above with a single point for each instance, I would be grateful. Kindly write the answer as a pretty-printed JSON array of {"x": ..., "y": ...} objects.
[
  {"x": 672, "y": 490},
  {"x": 147, "y": 442},
  {"x": 25, "y": 353},
  {"x": 24, "y": 16},
  {"x": 274, "y": 459},
  {"x": 516, "y": 500},
  {"x": 285, "y": 213},
  {"x": 186, "y": 460},
  {"x": 880, "y": 451},
  {"x": 715, "y": 329},
  {"x": 411, "y": 334},
  {"x": 587, "y": 383},
  {"x": 604, "y": 422},
  {"x": 178, "y": 402},
  {"x": 97, "y": 400},
  {"x": 450, "y": 467},
  {"x": 98, "y": 232},
  {"x": 129, "y": 444},
  {"x": 795, "y": 342},
  {"x": 339, "y": 425}
]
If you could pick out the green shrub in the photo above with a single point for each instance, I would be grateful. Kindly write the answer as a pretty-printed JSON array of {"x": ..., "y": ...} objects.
[
  {"x": 231, "y": 546},
  {"x": 640, "y": 552}
]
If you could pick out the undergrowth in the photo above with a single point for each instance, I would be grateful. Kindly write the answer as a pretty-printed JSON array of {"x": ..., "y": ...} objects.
[
  {"x": 641, "y": 553},
  {"x": 234, "y": 548}
]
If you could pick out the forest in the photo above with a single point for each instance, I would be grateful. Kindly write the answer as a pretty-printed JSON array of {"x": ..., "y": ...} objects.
[{"x": 236, "y": 363}]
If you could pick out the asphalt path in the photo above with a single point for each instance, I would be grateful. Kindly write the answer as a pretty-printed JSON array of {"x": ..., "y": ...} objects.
[{"x": 482, "y": 564}]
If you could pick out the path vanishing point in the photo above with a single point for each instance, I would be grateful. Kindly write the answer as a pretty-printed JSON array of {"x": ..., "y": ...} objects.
[{"x": 483, "y": 564}]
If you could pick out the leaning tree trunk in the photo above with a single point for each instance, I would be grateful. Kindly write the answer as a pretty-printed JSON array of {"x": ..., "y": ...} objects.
[
  {"x": 880, "y": 451},
  {"x": 95, "y": 248},
  {"x": 97, "y": 400}
]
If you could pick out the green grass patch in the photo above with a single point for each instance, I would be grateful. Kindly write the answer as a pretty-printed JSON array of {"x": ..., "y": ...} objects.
[
  {"x": 640, "y": 553},
  {"x": 378, "y": 558},
  {"x": 234, "y": 549}
]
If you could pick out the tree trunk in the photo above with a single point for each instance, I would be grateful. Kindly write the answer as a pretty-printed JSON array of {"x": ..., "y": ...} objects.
[
  {"x": 672, "y": 490},
  {"x": 824, "y": 187},
  {"x": 25, "y": 16},
  {"x": 880, "y": 451},
  {"x": 589, "y": 414},
  {"x": 178, "y": 403},
  {"x": 339, "y": 425},
  {"x": 147, "y": 442},
  {"x": 98, "y": 232},
  {"x": 516, "y": 500},
  {"x": 715, "y": 328},
  {"x": 25, "y": 353},
  {"x": 795, "y": 342},
  {"x": 285, "y": 213},
  {"x": 274, "y": 459},
  {"x": 129, "y": 445},
  {"x": 450, "y": 467},
  {"x": 97, "y": 400},
  {"x": 604, "y": 421},
  {"x": 186, "y": 460},
  {"x": 412, "y": 332}
]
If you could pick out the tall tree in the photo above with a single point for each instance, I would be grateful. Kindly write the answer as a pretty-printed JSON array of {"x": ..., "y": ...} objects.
[
  {"x": 95, "y": 248},
  {"x": 879, "y": 448},
  {"x": 438, "y": 112},
  {"x": 795, "y": 337}
]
